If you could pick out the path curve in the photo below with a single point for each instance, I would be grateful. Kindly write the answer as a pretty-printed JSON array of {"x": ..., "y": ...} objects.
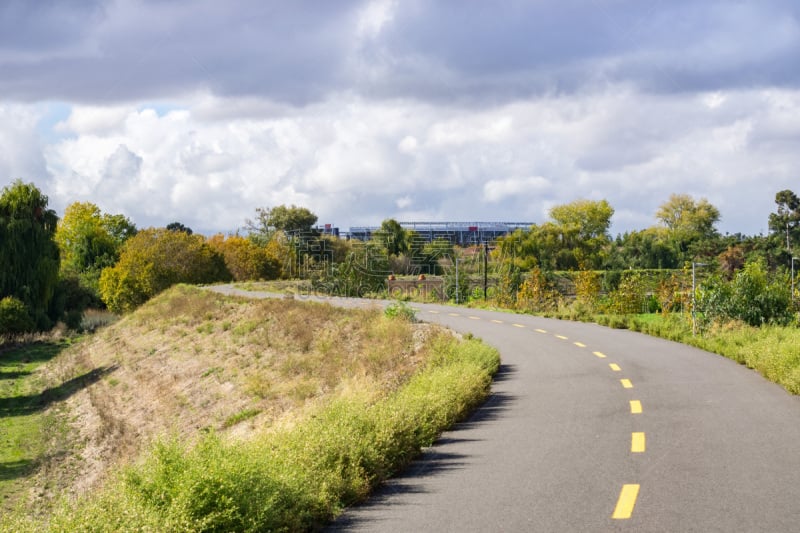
[{"x": 594, "y": 429}]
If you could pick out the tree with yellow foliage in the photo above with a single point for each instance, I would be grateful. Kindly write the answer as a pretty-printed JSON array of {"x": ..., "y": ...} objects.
[
  {"x": 154, "y": 260},
  {"x": 245, "y": 259}
]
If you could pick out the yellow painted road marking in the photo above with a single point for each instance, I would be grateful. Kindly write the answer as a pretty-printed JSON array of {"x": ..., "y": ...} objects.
[
  {"x": 626, "y": 502},
  {"x": 562, "y": 337},
  {"x": 580, "y": 345},
  {"x": 636, "y": 407},
  {"x": 518, "y": 325},
  {"x": 497, "y": 321},
  {"x": 434, "y": 312},
  {"x": 537, "y": 330},
  {"x": 637, "y": 442},
  {"x": 615, "y": 367},
  {"x": 453, "y": 314},
  {"x": 600, "y": 355},
  {"x": 474, "y": 318},
  {"x": 626, "y": 383}
]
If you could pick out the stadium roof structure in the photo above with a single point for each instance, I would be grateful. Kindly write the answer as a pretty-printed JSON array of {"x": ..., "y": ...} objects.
[{"x": 461, "y": 233}]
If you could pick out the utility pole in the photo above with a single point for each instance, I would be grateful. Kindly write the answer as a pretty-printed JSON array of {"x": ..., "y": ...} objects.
[{"x": 485, "y": 269}]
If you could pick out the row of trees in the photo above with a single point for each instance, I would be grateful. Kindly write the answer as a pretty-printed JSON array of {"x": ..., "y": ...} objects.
[
  {"x": 157, "y": 258},
  {"x": 51, "y": 270},
  {"x": 572, "y": 260},
  {"x": 577, "y": 237},
  {"x": 743, "y": 278}
]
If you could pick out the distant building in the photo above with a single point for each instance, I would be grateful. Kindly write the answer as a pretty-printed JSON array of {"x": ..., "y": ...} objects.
[
  {"x": 460, "y": 233},
  {"x": 328, "y": 229}
]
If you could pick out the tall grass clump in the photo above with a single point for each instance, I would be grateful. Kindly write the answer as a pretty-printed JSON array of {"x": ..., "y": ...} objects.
[
  {"x": 291, "y": 479},
  {"x": 773, "y": 351}
]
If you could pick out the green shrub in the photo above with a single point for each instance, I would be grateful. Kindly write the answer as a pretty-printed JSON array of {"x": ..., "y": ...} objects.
[
  {"x": 14, "y": 317},
  {"x": 537, "y": 293},
  {"x": 630, "y": 297},
  {"x": 72, "y": 297},
  {"x": 580, "y": 310},
  {"x": 752, "y": 296},
  {"x": 613, "y": 321},
  {"x": 400, "y": 310}
]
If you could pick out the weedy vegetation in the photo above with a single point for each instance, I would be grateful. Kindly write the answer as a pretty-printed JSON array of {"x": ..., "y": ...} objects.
[{"x": 276, "y": 421}]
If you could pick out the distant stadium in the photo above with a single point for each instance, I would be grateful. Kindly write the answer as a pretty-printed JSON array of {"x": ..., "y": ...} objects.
[{"x": 459, "y": 233}]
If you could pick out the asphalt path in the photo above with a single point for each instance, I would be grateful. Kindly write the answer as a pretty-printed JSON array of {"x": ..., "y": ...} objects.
[{"x": 594, "y": 429}]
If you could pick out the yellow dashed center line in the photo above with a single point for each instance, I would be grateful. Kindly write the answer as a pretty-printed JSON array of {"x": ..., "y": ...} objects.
[
  {"x": 637, "y": 442},
  {"x": 626, "y": 502},
  {"x": 630, "y": 492}
]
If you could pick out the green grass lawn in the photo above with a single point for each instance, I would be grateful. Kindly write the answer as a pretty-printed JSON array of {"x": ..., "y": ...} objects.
[{"x": 22, "y": 420}]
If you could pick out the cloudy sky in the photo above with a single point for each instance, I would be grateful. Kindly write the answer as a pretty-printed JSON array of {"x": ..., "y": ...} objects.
[{"x": 200, "y": 111}]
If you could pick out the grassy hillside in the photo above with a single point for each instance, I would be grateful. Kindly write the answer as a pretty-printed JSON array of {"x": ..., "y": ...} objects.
[{"x": 194, "y": 377}]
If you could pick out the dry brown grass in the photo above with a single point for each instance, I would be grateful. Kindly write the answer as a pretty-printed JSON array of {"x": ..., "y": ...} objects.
[
  {"x": 9, "y": 342},
  {"x": 191, "y": 361}
]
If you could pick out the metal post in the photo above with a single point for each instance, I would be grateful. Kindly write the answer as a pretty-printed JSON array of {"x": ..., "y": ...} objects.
[
  {"x": 485, "y": 268},
  {"x": 694, "y": 324},
  {"x": 457, "y": 291},
  {"x": 694, "y": 319}
]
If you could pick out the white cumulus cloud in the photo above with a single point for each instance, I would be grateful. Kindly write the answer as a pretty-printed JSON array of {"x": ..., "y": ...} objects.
[
  {"x": 501, "y": 189},
  {"x": 354, "y": 161}
]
